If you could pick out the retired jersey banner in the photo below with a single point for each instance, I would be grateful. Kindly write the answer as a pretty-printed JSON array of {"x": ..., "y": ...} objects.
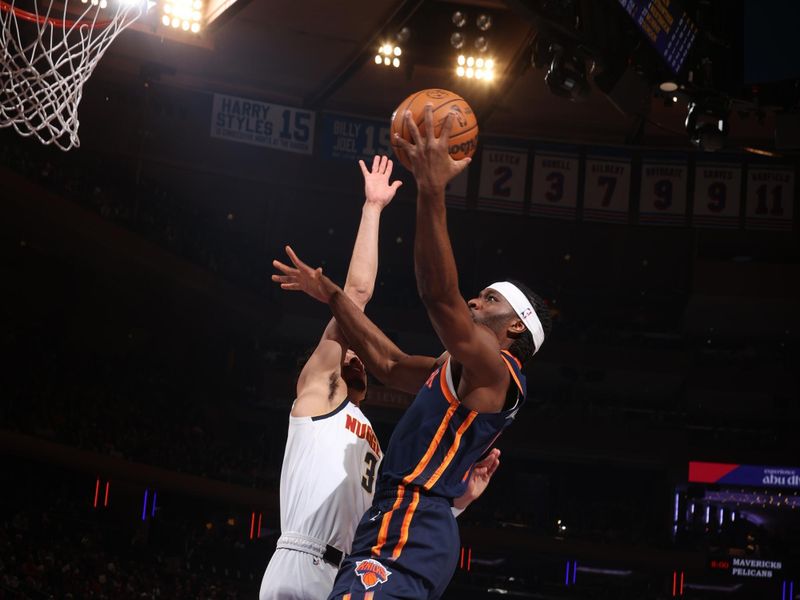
[
  {"x": 502, "y": 186},
  {"x": 455, "y": 193},
  {"x": 662, "y": 198},
  {"x": 717, "y": 195},
  {"x": 752, "y": 475},
  {"x": 262, "y": 124},
  {"x": 606, "y": 193},
  {"x": 353, "y": 138},
  {"x": 554, "y": 184},
  {"x": 769, "y": 203}
]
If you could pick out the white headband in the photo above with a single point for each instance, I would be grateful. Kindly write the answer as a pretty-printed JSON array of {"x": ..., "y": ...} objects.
[{"x": 522, "y": 306}]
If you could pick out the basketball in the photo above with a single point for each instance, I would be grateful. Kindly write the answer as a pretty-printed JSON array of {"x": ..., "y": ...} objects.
[{"x": 463, "y": 135}]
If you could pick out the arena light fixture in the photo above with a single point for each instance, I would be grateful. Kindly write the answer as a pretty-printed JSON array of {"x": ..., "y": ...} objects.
[
  {"x": 459, "y": 19},
  {"x": 186, "y": 15},
  {"x": 472, "y": 67},
  {"x": 389, "y": 55},
  {"x": 483, "y": 22}
]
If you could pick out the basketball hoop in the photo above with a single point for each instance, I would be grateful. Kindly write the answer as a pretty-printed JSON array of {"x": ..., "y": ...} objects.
[{"x": 47, "y": 52}]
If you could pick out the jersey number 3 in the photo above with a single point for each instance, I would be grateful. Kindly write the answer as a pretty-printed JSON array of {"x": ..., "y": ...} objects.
[{"x": 368, "y": 480}]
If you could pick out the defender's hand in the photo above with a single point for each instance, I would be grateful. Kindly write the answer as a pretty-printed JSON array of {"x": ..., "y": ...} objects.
[
  {"x": 430, "y": 159},
  {"x": 377, "y": 189},
  {"x": 302, "y": 278},
  {"x": 479, "y": 478}
]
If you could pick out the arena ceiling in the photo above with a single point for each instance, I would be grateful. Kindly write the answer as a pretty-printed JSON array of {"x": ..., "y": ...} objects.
[{"x": 319, "y": 54}]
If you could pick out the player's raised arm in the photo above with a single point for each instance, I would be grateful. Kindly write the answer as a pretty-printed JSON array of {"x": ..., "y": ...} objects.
[
  {"x": 472, "y": 345},
  {"x": 382, "y": 357},
  {"x": 314, "y": 388}
]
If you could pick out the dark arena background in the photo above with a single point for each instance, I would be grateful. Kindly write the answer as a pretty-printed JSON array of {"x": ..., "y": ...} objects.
[{"x": 637, "y": 163}]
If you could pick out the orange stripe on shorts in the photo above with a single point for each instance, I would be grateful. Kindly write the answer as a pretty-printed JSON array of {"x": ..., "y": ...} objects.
[
  {"x": 384, "y": 530},
  {"x": 406, "y": 525}
]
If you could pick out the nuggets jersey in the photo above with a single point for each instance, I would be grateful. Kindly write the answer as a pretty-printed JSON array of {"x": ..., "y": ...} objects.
[
  {"x": 437, "y": 441},
  {"x": 328, "y": 476}
]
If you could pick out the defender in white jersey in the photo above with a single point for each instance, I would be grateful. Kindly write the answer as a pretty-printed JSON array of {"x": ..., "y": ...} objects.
[{"x": 332, "y": 454}]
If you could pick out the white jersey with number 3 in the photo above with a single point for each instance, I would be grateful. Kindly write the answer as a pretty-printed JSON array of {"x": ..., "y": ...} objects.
[{"x": 328, "y": 476}]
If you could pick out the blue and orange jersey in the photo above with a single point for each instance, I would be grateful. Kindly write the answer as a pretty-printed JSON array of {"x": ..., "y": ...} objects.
[{"x": 438, "y": 440}]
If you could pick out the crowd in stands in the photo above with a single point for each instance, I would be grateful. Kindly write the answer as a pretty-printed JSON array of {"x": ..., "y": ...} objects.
[
  {"x": 54, "y": 547},
  {"x": 131, "y": 406},
  {"x": 148, "y": 207}
]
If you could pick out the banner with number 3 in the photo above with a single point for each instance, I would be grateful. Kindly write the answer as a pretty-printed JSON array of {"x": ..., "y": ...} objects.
[{"x": 554, "y": 187}]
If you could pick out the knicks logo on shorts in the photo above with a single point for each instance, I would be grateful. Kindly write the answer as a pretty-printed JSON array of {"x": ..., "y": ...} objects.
[{"x": 371, "y": 572}]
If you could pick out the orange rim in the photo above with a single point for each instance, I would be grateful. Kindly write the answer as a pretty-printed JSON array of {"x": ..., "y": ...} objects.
[{"x": 41, "y": 20}]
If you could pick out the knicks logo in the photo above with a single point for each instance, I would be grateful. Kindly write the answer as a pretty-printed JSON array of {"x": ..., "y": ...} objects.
[{"x": 371, "y": 572}]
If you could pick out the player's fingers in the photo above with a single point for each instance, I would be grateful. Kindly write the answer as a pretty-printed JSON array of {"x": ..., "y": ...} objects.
[
  {"x": 292, "y": 287},
  {"x": 282, "y": 278},
  {"x": 295, "y": 259},
  {"x": 462, "y": 164},
  {"x": 364, "y": 171},
  {"x": 404, "y": 144},
  {"x": 396, "y": 185},
  {"x": 376, "y": 164},
  {"x": 282, "y": 267},
  {"x": 389, "y": 167},
  {"x": 428, "y": 120},
  {"x": 447, "y": 127},
  {"x": 413, "y": 130},
  {"x": 382, "y": 166}
]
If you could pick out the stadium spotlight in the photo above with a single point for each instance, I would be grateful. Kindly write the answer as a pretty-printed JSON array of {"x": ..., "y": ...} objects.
[
  {"x": 183, "y": 14},
  {"x": 389, "y": 55},
  {"x": 457, "y": 40},
  {"x": 566, "y": 76},
  {"x": 707, "y": 125},
  {"x": 470, "y": 67}
]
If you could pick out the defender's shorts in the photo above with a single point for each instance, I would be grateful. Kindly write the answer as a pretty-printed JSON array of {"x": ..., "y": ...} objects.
[{"x": 297, "y": 571}]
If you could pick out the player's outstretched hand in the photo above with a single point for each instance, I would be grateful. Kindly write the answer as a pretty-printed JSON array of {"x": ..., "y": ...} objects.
[
  {"x": 302, "y": 278},
  {"x": 479, "y": 478},
  {"x": 429, "y": 155},
  {"x": 377, "y": 189}
]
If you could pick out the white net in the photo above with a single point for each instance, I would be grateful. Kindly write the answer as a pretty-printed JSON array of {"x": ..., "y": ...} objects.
[{"x": 48, "y": 50}]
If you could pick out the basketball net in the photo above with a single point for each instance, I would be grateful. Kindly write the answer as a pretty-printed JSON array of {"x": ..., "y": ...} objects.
[{"x": 47, "y": 52}]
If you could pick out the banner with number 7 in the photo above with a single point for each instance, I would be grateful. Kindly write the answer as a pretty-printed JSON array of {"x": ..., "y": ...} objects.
[{"x": 606, "y": 190}]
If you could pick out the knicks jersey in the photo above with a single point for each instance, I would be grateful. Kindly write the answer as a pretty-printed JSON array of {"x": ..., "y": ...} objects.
[
  {"x": 438, "y": 440},
  {"x": 328, "y": 476}
]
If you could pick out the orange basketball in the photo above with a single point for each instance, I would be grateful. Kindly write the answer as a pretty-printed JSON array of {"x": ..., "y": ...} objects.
[
  {"x": 463, "y": 135},
  {"x": 369, "y": 579}
]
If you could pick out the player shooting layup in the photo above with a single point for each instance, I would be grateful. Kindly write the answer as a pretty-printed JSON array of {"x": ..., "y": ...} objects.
[
  {"x": 332, "y": 455},
  {"x": 406, "y": 545}
]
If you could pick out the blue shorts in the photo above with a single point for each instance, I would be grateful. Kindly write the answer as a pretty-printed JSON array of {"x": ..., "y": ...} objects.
[{"x": 406, "y": 546}]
